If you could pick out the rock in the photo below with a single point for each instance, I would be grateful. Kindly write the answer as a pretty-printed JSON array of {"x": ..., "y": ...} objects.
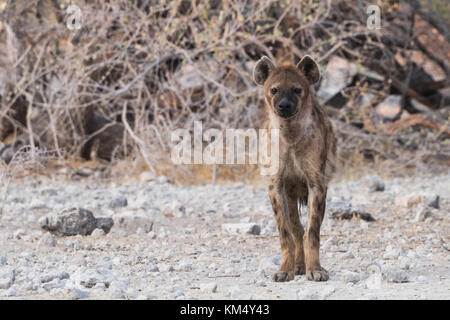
[
  {"x": 147, "y": 176},
  {"x": 12, "y": 292},
  {"x": 18, "y": 234},
  {"x": 428, "y": 199},
  {"x": 117, "y": 289},
  {"x": 98, "y": 232},
  {"x": 88, "y": 278},
  {"x": 431, "y": 200},
  {"x": 348, "y": 255},
  {"x": 350, "y": 276},
  {"x": 50, "y": 276},
  {"x": 241, "y": 228},
  {"x": 74, "y": 221},
  {"x": 342, "y": 210},
  {"x": 118, "y": 202},
  {"x": 77, "y": 293},
  {"x": 326, "y": 292},
  {"x": 376, "y": 184},
  {"x": 338, "y": 74},
  {"x": 305, "y": 294},
  {"x": 422, "y": 279},
  {"x": 269, "y": 265},
  {"x": 396, "y": 275},
  {"x": 208, "y": 287},
  {"x": 153, "y": 268},
  {"x": 234, "y": 292},
  {"x": 423, "y": 213},
  {"x": 131, "y": 293},
  {"x": 374, "y": 281},
  {"x": 7, "y": 277},
  {"x": 390, "y": 107},
  {"x": 393, "y": 252},
  {"x": 3, "y": 260},
  {"x": 47, "y": 239},
  {"x": 105, "y": 224},
  {"x": 166, "y": 268}
]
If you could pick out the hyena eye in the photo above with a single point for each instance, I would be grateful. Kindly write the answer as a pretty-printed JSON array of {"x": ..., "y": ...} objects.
[
  {"x": 298, "y": 91},
  {"x": 273, "y": 91}
]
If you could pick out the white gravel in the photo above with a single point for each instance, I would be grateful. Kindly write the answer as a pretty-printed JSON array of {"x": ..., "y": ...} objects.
[{"x": 221, "y": 242}]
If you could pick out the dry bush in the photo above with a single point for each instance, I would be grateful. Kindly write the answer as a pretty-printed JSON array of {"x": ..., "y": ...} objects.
[{"x": 137, "y": 70}]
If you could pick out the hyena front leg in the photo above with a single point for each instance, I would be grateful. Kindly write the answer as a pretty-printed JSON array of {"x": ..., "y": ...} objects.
[
  {"x": 281, "y": 210},
  {"x": 297, "y": 233},
  {"x": 316, "y": 208}
]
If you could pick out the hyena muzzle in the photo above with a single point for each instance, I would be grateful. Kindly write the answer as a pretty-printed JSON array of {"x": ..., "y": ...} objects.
[{"x": 307, "y": 152}]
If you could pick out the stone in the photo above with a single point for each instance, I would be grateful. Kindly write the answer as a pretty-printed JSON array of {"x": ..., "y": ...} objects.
[
  {"x": 393, "y": 252},
  {"x": 7, "y": 277},
  {"x": 98, "y": 232},
  {"x": 350, "y": 276},
  {"x": 374, "y": 281},
  {"x": 74, "y": 221},
  {"x": 18, "y": 234},
  {"x": 395, "y": 275},
  {"x": 376, "y": 184},
  {"x": 338, "y": 74},
  {"x": 235, "y": 291},
  {"x": 305, "y": 294},
  {"x": 208, "y": 287},
  {"x": 77, "y": 293},
  {"x": 428, "y": 199},
  {"x": 147, "y": 176},
  {"x": 326, "y": 292},
  {"x": 117, "y": 289},
  {"x": 242, "y": 228},
  {"x": 88, "y": 278},
  {"x": 268, "y": 265},
  {"x": 118, "y": 202},
  {"x": 47, "y": 239},
  {"x": 423, "y": 213},
  {"x": 131, "y": 293},
  {"x": 342, "y": 210}
]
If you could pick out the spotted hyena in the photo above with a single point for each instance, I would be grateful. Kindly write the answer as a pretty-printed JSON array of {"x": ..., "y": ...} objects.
[{"x": 307, "y": 152}]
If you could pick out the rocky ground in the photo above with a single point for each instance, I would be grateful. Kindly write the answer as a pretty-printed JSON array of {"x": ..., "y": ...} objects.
[{"x": 220, "y": 241}]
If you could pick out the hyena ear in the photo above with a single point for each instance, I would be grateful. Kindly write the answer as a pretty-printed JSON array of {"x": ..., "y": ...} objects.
[
  {"x": 262, "y": 70},
  {"x": 309, "y": 68}
]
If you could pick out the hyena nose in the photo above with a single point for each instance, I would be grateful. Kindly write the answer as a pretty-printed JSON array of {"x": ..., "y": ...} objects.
[{"x": 284, "y": 105}]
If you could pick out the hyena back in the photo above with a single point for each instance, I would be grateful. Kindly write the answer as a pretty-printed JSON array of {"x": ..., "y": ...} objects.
[{"x": 307, "y": 153}]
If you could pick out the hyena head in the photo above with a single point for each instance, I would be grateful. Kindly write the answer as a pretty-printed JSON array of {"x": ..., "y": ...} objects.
[{"x": 286, "y": 87}]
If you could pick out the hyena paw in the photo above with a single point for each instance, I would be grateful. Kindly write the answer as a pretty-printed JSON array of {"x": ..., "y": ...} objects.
[
  {"x": 299, "y": 270},
  {"x": 282, "y": 276},
  {"x": 319, "y": 274}
]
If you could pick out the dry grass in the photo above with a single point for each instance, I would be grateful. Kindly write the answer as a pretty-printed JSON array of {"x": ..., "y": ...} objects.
[{"x": 137, "y": 70}]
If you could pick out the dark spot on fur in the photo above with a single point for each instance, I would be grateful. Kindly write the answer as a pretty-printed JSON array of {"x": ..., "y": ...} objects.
[{"x": 313, "y": 236}]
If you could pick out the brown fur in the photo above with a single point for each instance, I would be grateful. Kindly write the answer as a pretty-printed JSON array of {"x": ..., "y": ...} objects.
[{"x": 307, "y": 152}]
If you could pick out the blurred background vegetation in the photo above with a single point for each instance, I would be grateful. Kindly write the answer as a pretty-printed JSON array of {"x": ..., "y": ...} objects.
[{"x": 114, "y": 90}]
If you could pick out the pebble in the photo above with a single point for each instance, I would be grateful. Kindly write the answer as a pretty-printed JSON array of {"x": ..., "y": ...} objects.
[
  {"x": 396, "y": 275},
  {"x": 376, "y": 184},
  {"x": 305, "y": 294},
  {"x": 88, "y": 278},
  {"x": 119, "y": 202},
  {"x": 7, "y": 277},
  {"x": 423, "y": 213},
  {"x": 242, "y": 228},
  {"x": 393, "y": 252},
  {"x": 77, "y": 293},
  {"x": 350, "y": 276},
  {"x": 208, "y": 287},
  {"x": 98, "y": 232}
]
